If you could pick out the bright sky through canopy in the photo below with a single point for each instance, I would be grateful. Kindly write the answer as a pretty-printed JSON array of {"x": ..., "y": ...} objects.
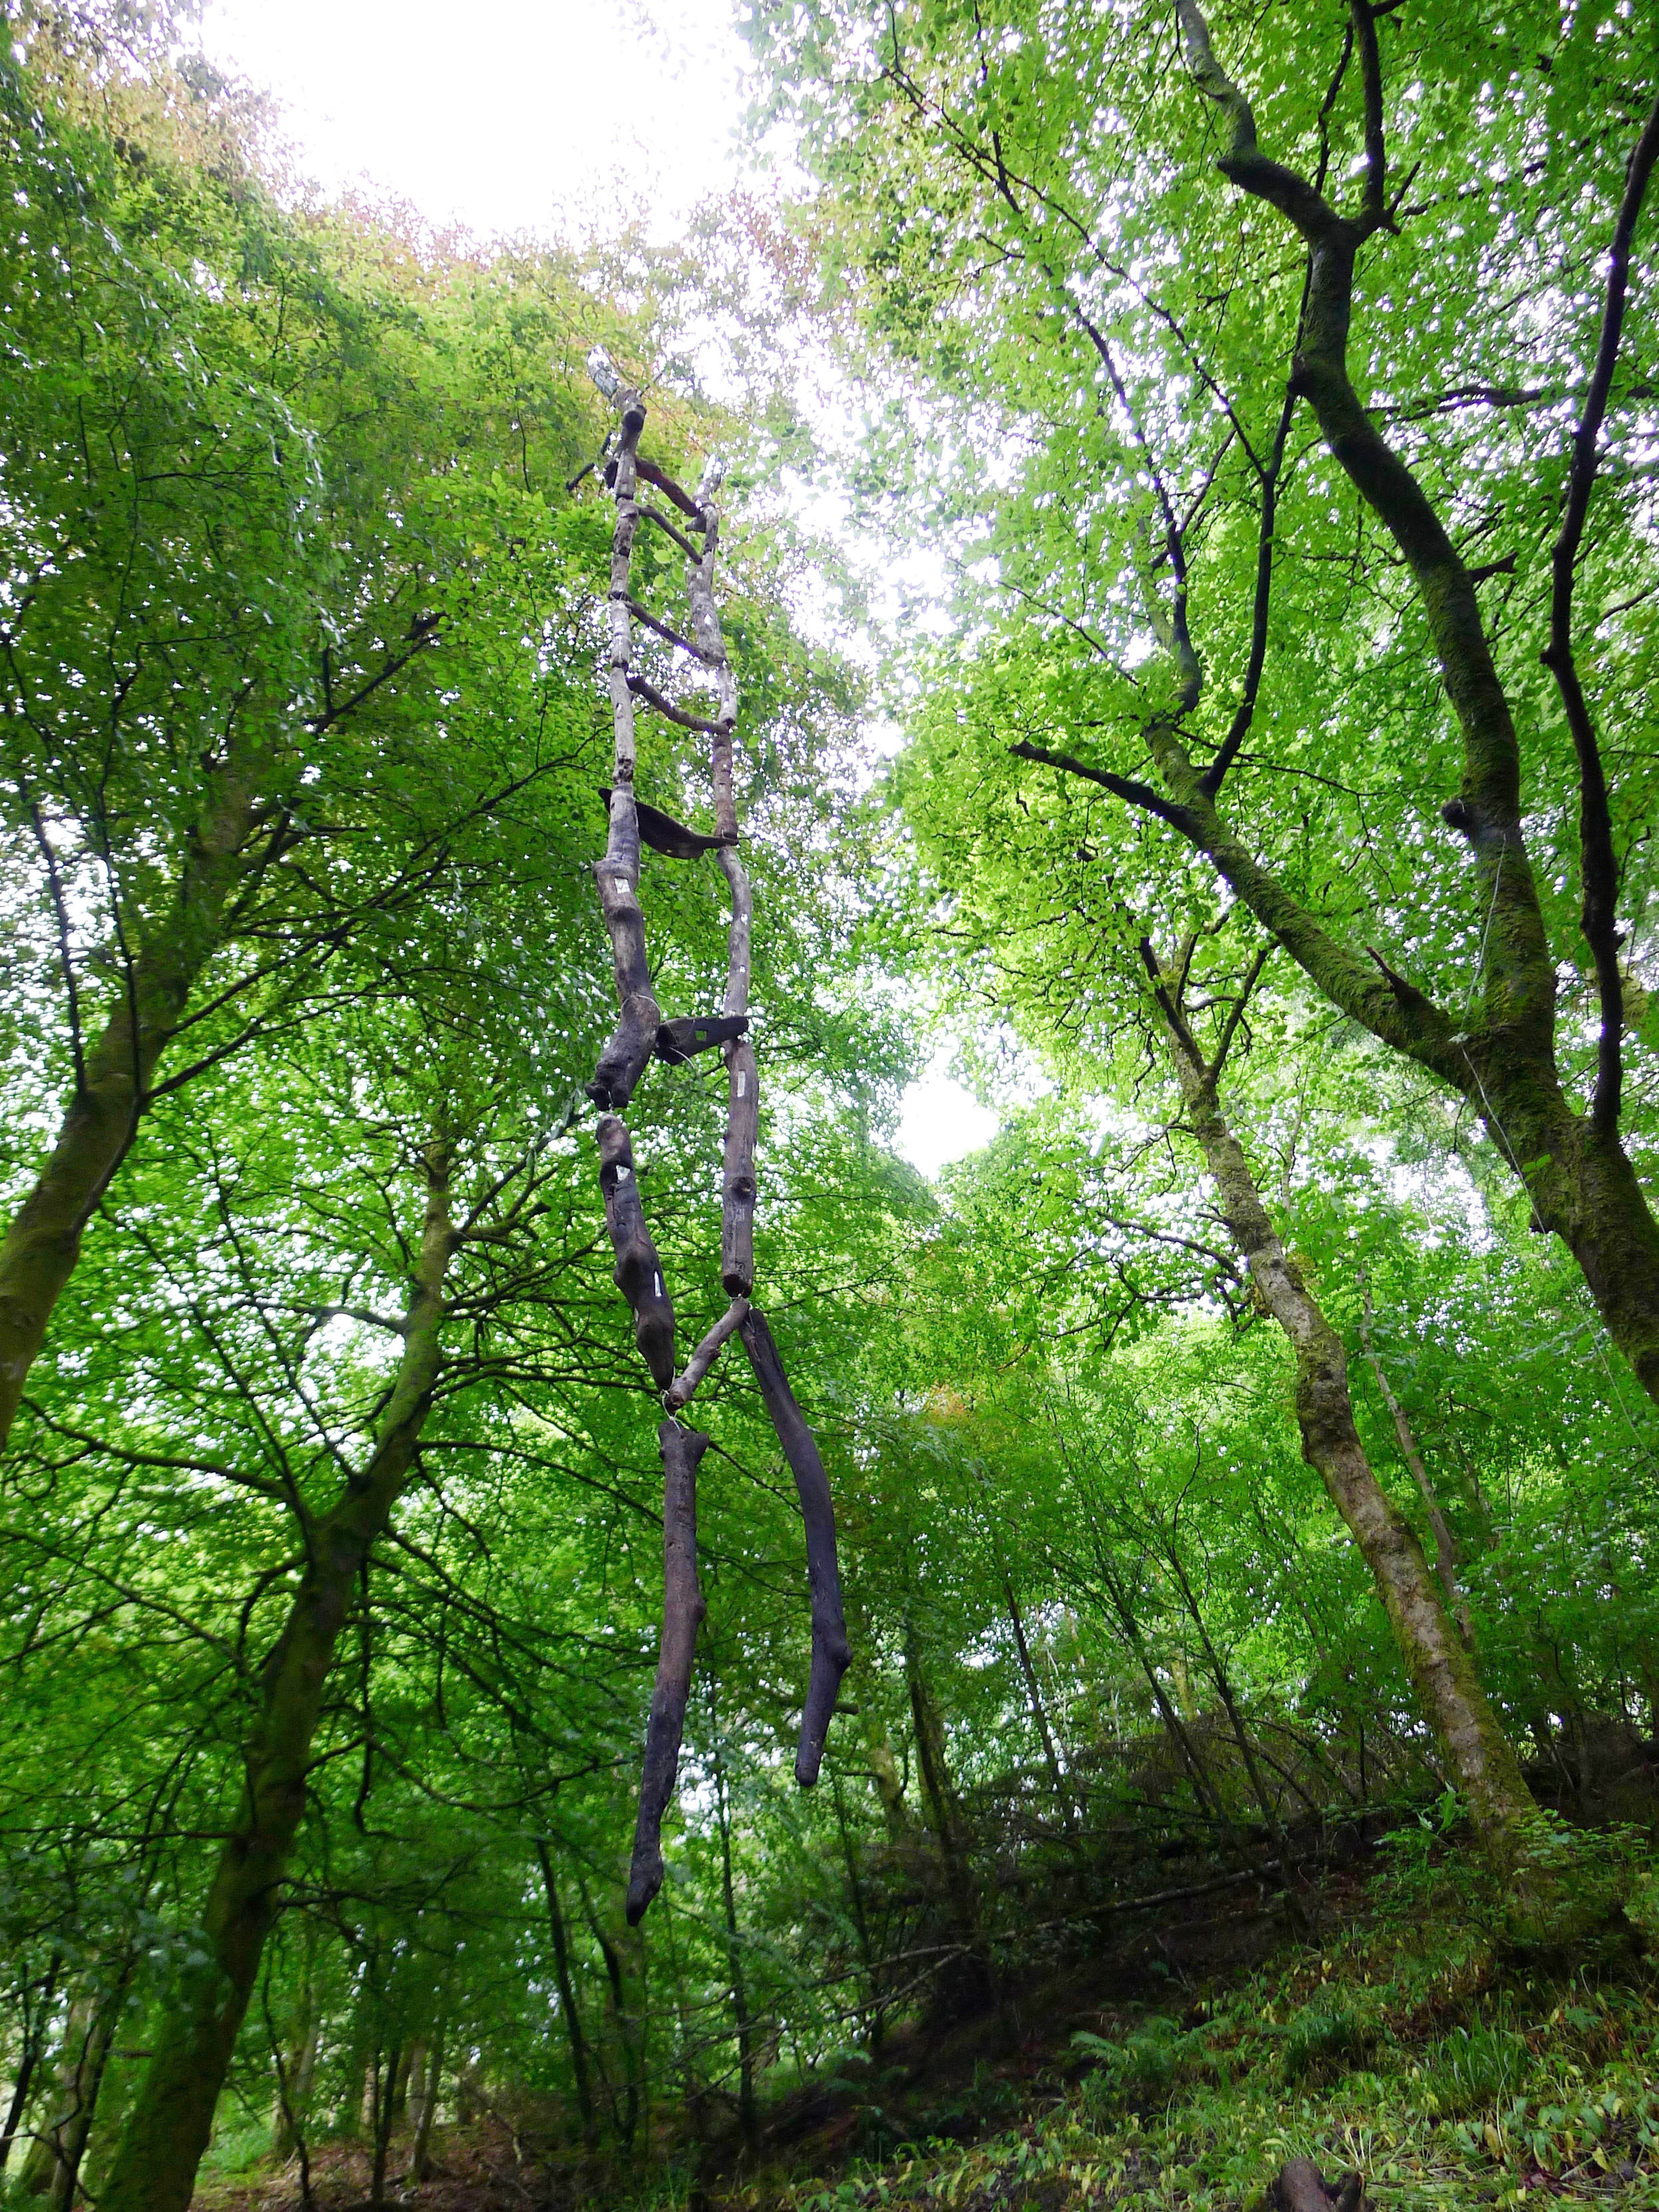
[
  {"x": 510, "y": 116},
  {"x": 522, "y": 116}
]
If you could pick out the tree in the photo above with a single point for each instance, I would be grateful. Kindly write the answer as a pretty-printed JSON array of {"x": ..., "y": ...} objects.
[
  {"x": 1027, "y": 209},
  {"x": 263, "y": 690},
  {"x": 1441, "y": 1670}
]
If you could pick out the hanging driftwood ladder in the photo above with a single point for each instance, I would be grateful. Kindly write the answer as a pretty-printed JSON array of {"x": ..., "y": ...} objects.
[{"x": 642, "y": 1034}]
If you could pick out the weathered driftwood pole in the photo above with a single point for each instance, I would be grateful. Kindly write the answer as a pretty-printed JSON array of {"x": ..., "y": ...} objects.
[{"x": 642, "y": 1034}]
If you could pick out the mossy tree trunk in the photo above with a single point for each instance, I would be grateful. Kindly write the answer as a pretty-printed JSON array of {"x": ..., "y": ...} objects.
[
  {"x": 112, "y": 1075},
  {"x": 1478, "y": 1754},
  {"x": 153, "y": 2168}
]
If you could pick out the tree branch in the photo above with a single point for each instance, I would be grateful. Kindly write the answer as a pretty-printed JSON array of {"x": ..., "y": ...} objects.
[
  {"x": 1598, "y": 865},
  {"x": 1122, "y": 786}
]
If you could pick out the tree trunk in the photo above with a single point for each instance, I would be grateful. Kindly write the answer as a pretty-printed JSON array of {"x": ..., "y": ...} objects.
[
  {"x": 52, "y": 2168},
  {"x": 1039, "y": 1712},
  {"x": 383, "y": 2089},
  {"x": 566, "y": 1989},
  {"x": 747, "y": 2119},
  {"x": 288, "y": 2119},
  {"x": 40, "y": 2158},
  {"x": 167, "y": 2131},
  {"x": 1223, "y": 1681},
  {"x": 1446, "y": 1559},
  {"x": 873, "y": 2020},
  {"x": 399, "y": 2080},
  {"x": 28, "y": 2058},
  {"x": 1573, "y": 1166},
  {"x": 628, "y": 2024},
  {"x": 961, "y": 1888},
  {"x": 112, "y": 1086},
  {"x": 888, "y": 1782},
  {"x": 424, "y": 2115},
  {"x": 1211, "y": 1804},
  {"x": 1476, "y": 1750},
  {"x": 294, "y": 2074}
]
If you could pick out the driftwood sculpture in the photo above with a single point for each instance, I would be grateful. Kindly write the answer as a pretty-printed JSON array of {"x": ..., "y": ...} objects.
[{"x": 641, "y": 1035}]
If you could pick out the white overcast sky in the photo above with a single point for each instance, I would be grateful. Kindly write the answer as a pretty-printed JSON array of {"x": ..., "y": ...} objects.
[
  {"x": 510, "y": 115},
  {"x": 530, "y": 115}
]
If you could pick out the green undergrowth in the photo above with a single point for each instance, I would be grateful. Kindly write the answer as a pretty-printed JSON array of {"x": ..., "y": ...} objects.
[{"x": 1415, "y": 2046}]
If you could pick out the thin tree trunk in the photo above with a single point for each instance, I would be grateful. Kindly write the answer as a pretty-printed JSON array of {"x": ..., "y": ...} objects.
[
  {"x": 167, "y": 2131},
  {"x": 415, "y": 2081},
  {"x": 292, "y": 2090},
  {"x": 420, "y": 2157},
  {"x": 566, "y": 1989},
  {"x": 399, "y": 2079},
  {"x": 291, "y": 2110},
  {"x": 1477, "y": 1752},
  {"x": 40, "y": 2160},
  {"x": 861, "y": 1917},
  {"x": 627, "y": 2122},
  {"x": 747, "y": 2119},
  {"x": 936, "y": 1778},
  {"x": 112, "y": 1086},
  {"x": 54, "y": 2168},
  {"x": 1039, "y": 1712},
  {"x": 1259, "y": 1788},
  {"x": 948, "y": 1828},
  {"x": 1210, "y": 1801},
  {"x": 28, "y": 2061},
  {"x": 1446, "y": 1559},
  {"x": 382, "y": 2080},
  {"x": 888, "y": 1783},
  {"x": 294, "y": 2074}
]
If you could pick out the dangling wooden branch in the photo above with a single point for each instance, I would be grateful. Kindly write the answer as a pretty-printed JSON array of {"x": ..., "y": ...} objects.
[
  {"x": 642, "y": 1034},
  {"x": 829, "y": 1651},
  {"x": 683, "y": 1610}
]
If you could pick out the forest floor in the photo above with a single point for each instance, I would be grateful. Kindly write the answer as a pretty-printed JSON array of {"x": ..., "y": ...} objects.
[{"x": 1176, "y": 2071}]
